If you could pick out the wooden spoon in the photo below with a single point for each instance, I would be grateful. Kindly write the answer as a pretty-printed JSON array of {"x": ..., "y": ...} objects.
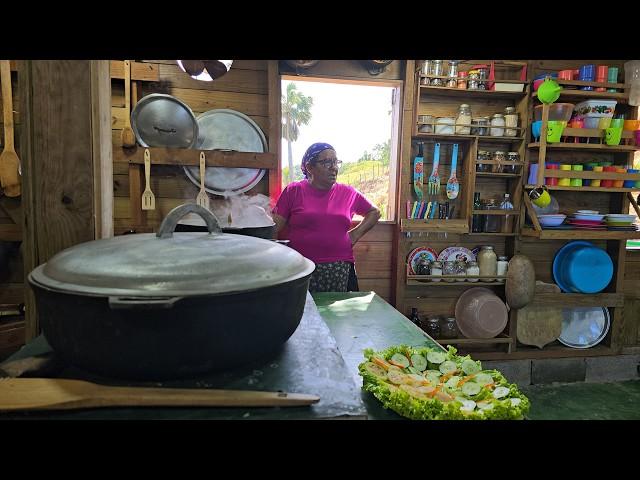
[
  {"x": 128, "y": 138},
  {"x": 64, "y": 394},
  {"x": 9, "y": 161}
]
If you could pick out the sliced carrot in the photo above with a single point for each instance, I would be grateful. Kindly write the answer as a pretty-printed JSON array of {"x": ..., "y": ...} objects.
[
  {"x": 466, "y": 379},
  {"x": 447, "y": 376},
  {"x": 381, "y": 362}
]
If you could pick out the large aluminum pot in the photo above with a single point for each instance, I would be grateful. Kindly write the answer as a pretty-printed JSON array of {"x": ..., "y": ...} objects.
[{"x": 165, "y": 305}]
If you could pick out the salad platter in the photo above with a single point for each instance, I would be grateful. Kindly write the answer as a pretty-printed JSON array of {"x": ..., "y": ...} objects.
[{"x": 423, "y": 383}]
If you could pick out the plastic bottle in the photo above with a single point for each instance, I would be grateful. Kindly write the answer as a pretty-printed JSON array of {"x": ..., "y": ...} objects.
[
  {"x": 415, "y": 318},
  {"x": 508, "y": 219}
]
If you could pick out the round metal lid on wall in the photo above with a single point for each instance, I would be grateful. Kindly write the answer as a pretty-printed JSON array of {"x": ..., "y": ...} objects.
[
  {"x": 226, "y": 129},
  {"x": 160, "y": 120}
]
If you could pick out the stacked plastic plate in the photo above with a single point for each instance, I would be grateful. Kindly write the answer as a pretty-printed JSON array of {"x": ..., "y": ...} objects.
[
  {"x": 587, "y": 220},
  {"x": 621, "y": 222}
]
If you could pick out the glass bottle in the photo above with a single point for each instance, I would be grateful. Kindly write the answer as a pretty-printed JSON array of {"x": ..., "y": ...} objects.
[
  {"x": 422, "y": 267},
  {"x": 463, "y": 120},
  {"x": 448, "y": 328},
  {"x": 487, "y": 262},
  {"x": 499, "y": 157},
  {"x": 472, "y": 271},
  {"x": 461, "y": 270},
  {"x": 512, "y": 157},
  {"x": 472, "y": 82},
  {"x": 497, "y": 125},
  {"x": 510, "y": 120},
  {"x": 483, "y": 167},
  {"x": 508, "y": 219},
  {"x": 436, "y": 271},
  {"x": 503, "y": 266},
  {"x": 476, "y": 220},
  {"x": 415, "y": 318},
  {"x": 449, "y": 268}
]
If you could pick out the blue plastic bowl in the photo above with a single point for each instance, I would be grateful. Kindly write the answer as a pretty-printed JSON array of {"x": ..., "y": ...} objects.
[{"x": 581, "y": 267}]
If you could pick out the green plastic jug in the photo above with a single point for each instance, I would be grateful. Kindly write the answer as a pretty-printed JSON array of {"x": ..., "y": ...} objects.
[{"x": 549, "y": 91}]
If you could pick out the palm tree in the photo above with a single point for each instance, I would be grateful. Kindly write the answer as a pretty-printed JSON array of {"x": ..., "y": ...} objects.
[{"x": 296, "y": 111}]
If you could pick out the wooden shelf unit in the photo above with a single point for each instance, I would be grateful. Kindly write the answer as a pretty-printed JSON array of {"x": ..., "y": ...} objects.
[
  {"x": 435, "y": 297},
  {"x": 603, "y": 199}
]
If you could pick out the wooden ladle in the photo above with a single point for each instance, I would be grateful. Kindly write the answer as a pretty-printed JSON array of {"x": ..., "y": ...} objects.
[
  {"x": 9, "y": 161},
  {"x": 128, "y": 138}
]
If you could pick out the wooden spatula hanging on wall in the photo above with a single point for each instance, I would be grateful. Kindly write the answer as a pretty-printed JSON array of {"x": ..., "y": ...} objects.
[
  {"x": 148, "y": 198},
  {"x": 9, "y": 161},
  {"x": 202, "y": 199},
  {"x": 128, "y": 138}
]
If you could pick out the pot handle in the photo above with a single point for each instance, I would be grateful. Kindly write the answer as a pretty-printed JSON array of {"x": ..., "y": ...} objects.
[
  {"x": 168, "y": 225},
  {"x": 142, "y": 303}
]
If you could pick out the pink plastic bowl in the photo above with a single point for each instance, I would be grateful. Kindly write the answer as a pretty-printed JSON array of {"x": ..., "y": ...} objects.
[{"x": 480, "y": 313}]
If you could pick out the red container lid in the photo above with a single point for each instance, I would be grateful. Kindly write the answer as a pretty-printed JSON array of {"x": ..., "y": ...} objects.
[{"x": 463, "y": 74}]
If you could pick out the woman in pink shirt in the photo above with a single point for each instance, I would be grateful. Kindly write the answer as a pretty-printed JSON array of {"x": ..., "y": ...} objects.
[{"x": 317, "y": 214}]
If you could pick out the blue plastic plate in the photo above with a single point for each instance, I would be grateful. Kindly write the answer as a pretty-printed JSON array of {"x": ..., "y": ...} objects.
[{"x": 581, "y": 267}]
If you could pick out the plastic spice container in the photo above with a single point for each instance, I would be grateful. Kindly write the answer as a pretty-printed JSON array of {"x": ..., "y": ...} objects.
[
  {"x": 448, "y": 328},
  {"x": 474, "y": 77},
  {"x": 436, "y": 271},
  {"x": 497, "y": 125},
  {"x": 502, "y": 266},
  {"x": 472, "y": 271},
  {"x": 488, "y": 262},
  {"x": 463, "y": 120},
  {"x": 499, "y": 157},
  {"x": 510, "y": 120},
  {"x": 482, "y": 156}
]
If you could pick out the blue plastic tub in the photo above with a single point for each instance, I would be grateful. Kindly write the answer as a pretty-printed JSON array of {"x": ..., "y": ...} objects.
[{"x": 581, "y": 267}]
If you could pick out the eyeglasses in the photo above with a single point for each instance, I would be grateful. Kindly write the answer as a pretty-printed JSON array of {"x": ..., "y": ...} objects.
[{"x": 329, "y": 163}]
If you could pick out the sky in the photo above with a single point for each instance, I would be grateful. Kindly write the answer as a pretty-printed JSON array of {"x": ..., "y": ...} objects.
[{"x": 351, "y": 118}]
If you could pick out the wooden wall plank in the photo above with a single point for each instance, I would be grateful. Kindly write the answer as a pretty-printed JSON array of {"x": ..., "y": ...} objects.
[
  {"x": 147, "y": 72},
  {"x": 236, "y": 80}
]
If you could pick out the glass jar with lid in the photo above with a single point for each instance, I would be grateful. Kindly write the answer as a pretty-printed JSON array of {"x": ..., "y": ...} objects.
[
  {"x": 487, "y": 262},
  {"x": 463, "y": 120},
  {"x": 510, "y": 120},
  {"x": 511, "y": 157},
  {"x": 436, "y": 271},
  {"x": 461, "y": 270},
  {"x": 482, "y": 156},
  {"x": 448, "y": 328},
  {"x": 502, "y": 267},
  {"x": 472, "y": 271},
  {"x": 449, "y": 268},
  {"x": 492, "y": 223},
  {"x": 425, "y": 72},
  {"x": 498, "y": 157},
  {"x": 432, "y": 327},
  {"x": 497, "y": 125},
  {"x": 423, "y": 266},
  {"x": 452, "y": 81},
  {"x": 462, "y": 80},
  {"x": 473, "y": 80},
  {"x": 437, "y": 71},
  {"x": 483, "y": 75}
]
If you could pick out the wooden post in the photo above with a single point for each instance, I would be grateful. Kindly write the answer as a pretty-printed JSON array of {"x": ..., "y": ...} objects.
[
  {"x": 61, "y": 149},
  {"x": 275, "y": 126}
]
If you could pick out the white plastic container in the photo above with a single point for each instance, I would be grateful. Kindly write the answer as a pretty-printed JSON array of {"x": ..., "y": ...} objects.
[{"x": 596, "y": 108}]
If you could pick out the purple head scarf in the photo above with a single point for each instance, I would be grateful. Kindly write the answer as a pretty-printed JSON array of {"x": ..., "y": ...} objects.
[{"x": 311, "y": 153}]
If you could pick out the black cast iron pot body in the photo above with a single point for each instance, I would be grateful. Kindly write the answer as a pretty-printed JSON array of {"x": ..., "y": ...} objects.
[{"x": 156, "y": 336}]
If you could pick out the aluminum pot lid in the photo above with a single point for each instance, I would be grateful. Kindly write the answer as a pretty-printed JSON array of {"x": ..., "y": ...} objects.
[
  {"x": 226, "y": 129},
  {"x": 160, "y": 120},
  {"x": 168, "y": 264}
]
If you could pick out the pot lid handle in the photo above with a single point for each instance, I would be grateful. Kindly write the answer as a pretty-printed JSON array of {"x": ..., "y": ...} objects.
[{"x": 168, "y": 225}]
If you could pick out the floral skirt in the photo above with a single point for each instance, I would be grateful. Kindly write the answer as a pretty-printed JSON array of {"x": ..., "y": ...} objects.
[{"x": 334, "y": 277}]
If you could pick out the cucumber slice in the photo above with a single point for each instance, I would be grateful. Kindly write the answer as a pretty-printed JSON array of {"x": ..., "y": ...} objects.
[
  {"x": 415, "y": 378},
  {"x": 483, "y": 379},
  {"x": 500, "y": 392},
  {"x": 414, "y": 370},
  {"x": 433, "y": 376},
  {"x": 436, "y": 357},
  {"x": 447, "y": 367},
  {"x": 468, "y": 405},
  {"x": 399, "y": 360},
  {"x": 471, "y": 388},
  {"x": 452, "y": 382},
  {"x": 419, "y": 362},
  {"x": 375, "y": 370},
  {"x": 470, "y": 367},
  {"x": 515, "y": 401},
  {"x": 485, "y": 405}
]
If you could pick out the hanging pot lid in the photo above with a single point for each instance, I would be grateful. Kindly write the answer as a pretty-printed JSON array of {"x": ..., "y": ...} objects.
[
  {"x": 226, "y": 129},
  {"x": 160, "y": 120},
  {"x": 169, "y": 264}
]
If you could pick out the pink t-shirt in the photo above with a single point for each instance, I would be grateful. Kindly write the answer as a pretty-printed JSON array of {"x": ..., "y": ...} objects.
[{"x": 318, "y": 221}]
